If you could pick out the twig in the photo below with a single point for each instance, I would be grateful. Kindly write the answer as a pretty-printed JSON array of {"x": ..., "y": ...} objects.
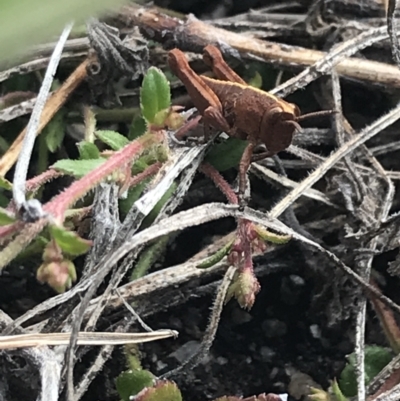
[
  {"x": 95, "y": 367},
  {"x": 40, "y": 63},
  {"x": 391, "y": 27},
  {"x": 359, "y": 349},
  {"x": 194, "y": 35},
  {"x": 391, "y": 395},
  {"x": 133, "y": 312},
  {"x": 17, "y": 110}
]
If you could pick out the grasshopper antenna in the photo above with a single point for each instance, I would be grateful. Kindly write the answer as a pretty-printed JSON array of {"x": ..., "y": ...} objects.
[{"x": 315, "y": 114}]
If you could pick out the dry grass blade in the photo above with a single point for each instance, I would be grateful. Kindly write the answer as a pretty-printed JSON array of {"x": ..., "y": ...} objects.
[
  {"x": 331, "y": 59},
  {"x": 270, "y": 175},
  {"x": 84, "y": 338},
  {"x": 24, "y": 157},
  {"x": 391, "y": 26}
]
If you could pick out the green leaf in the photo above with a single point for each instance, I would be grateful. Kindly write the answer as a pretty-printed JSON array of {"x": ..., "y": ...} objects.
[
  {"x": 376, "y": 358},
  {"x": 227, "y": 154},
  {"x": 256, "y": 81},
  {"x": 268, "y": 236},
  {"x": 161, "y": 116},
  {"x": 5, "y": 184},
  {"x": 4, "y": 145},
  {"x": 155, "y": 94},
  {"x": 113, "y": 139},
  {"x": 33, "y": 250},
  {"x": 337, "y": 392},
  {"x": 77, "y": 168},
  {"x": 149, "y": 256},
  {"x": 4, "y": 201},
  {"x": 131, "y": 382},
  {"x": 159, "y": 205},
  {"x": 217, "y": 257},
  {"x": 54, "y": 131},
  {"x": 6, "y": 217},
  {"x": 133, "y": 195},
  {"x": 27, "y": 22},
  {"x": 69, "y": 241},
  {"x": 162, "y": 391},
  {"x": 88, "y": 150},
  {"x": 138, "y": 128}
]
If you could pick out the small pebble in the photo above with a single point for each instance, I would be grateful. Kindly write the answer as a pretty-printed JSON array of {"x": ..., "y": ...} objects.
[
  {"x": 267, "y": 354},
  {"x": 274, "y": 373},
  {"x": 221, "y": 360},
  {"x": 161, "y": 365},
  {"x": 315, "y": 331},
  {"x": 291, "y": 289},
  {"x": 297, "y": 280},
  {"x": 274, "y": 328}
]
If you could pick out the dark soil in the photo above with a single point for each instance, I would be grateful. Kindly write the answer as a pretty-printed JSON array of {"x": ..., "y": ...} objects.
[{"x": 303, "y": 317}]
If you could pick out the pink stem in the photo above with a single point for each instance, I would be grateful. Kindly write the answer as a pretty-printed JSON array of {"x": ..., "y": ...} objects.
[
  {"x": 219, "y": 181},
  {"x": 60, "y": 203}
]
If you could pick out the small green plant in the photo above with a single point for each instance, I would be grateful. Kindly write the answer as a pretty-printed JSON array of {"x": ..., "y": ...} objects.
[
  {"x": 127, "y": 163},
  {"x": 250, "y": 239},
  {"x": 376, "y": 358},
  {"x": 164, "y": 390},
  {"x": 130, "y": 382}
]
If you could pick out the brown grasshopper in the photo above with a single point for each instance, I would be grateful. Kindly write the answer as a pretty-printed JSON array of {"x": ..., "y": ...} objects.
[{"x": 231, "y": 105}]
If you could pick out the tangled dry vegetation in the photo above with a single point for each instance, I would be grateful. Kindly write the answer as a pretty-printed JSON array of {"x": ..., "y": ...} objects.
[{"x": 132, "y": 217}]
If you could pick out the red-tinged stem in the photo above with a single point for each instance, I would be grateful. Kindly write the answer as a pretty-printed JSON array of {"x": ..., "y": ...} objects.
[
  {"x": 151, "y": 170},
  {"x": 36, "y": 182},
  {"x": 7, "y": 231},
  {"x": 60, "y": 203},
  {"x": 389, "y": 383},
  {"x": 219, "y": 181},
  {"x": 247, "y": 258},
  {"x": 387, "y": 320},
  {"x": 188, "y": 126}
]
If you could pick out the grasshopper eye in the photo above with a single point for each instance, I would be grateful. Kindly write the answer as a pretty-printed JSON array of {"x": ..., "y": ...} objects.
[{"x": 277, "y": 129}]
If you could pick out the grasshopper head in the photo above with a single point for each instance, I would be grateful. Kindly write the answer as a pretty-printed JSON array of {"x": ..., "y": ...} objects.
[{"x": 278, "y": 127}]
